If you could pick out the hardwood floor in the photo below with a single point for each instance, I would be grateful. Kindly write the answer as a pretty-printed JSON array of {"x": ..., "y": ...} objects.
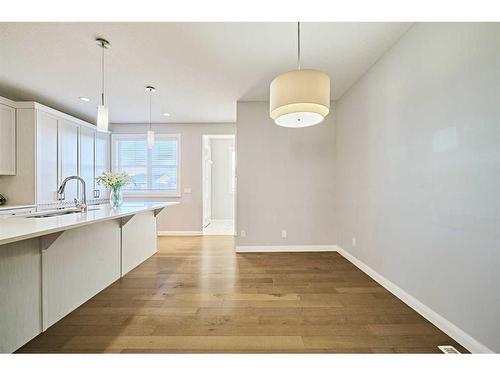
[{"x": 197, "y": 295}]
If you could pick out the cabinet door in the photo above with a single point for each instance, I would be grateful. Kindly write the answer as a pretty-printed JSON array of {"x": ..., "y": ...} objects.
[
  {"x": 7, "y": 140},
  {"x": 68, "y": 157},
  {"x": 86, "y": 160},
  {"x": 102, "y": 159},
  {"x": 46, "y": 158}
]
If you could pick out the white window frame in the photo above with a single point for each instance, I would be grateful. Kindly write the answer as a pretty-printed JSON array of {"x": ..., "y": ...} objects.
[{"x": 148, "y": 193}]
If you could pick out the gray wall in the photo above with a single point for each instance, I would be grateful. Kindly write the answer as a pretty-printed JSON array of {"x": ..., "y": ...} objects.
[
  {"x": 222, "y": 195},
  {"x": 186, "y": 216},
  {"x": 284, "y": 180},
  {"x": 418, "y": 171}
]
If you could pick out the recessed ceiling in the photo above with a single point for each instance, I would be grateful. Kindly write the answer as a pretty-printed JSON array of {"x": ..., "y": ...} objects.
[{"x": 200, "y": 70}]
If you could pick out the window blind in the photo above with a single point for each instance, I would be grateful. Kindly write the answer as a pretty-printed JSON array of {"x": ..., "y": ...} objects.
[{"x": 155, "y": 170}]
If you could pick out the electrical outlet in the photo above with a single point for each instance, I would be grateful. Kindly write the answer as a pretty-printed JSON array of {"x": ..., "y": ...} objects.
[
  {"x": 243, "y": 233},
  {"x": 187, "y": 190},
  {"x": 353, "y": 242},
  {"x": 283, "y": 233}
]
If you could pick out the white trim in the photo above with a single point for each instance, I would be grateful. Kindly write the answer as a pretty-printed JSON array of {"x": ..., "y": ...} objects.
[
  {"x": 8, "y": 102},
  {"x": 44, "y": 108},
  {"x": 55, "y": 112},
  {"x": 149, "y": 193},
  {"x": 439, "y": 321},
  {"x": 284, "y": 249},
  {"x": 179, "y": 233},
  {"x": 208, "y": 137}
]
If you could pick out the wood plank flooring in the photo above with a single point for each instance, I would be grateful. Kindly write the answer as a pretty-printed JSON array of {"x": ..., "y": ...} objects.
[{"x": 196, "y": 295}]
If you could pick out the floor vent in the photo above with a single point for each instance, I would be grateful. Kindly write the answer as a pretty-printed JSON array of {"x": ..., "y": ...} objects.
[{"x": 448, "y": 349}]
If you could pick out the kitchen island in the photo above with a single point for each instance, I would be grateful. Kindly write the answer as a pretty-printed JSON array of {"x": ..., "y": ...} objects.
[{"x": 52, "y": 263}]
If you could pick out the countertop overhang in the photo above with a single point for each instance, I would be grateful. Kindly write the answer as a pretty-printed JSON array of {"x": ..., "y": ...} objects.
[{"x": 14, "y": 229}]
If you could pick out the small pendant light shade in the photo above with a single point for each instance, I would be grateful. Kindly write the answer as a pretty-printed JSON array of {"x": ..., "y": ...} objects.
[
  {"x": 300, "y": 98},
  {"x": 102, "y": 110},
  {"x": 151, "y": 139},
  {"x": 102, "y": 118}
]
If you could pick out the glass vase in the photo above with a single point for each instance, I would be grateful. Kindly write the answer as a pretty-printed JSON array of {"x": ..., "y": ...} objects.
[{"x": 116, "y": 197}]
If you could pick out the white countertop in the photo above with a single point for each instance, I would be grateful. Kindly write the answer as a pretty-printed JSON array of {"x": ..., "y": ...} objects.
[
  {"x": 14, "y": 229},
  {"x": 15, "y": 207}
]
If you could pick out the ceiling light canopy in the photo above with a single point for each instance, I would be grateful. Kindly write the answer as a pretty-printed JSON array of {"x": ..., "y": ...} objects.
[
  {"x": 299, "y": 98},
  {"x": 102, "y": 110}
]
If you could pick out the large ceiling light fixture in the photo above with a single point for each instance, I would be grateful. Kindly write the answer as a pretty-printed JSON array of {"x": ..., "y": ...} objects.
[
  {"x": 102, "y": 110},
  {"x": 301, "y": 97},
  {"x": 150, "y": 135}
]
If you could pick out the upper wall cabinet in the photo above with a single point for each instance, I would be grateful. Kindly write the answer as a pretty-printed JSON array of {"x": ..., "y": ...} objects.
[
  {"x": 68, "y": 158},
  {"x": 87, "y": 159},
  {"x": 7, "y": 140},
  {"x": 46, "y": 158},
  {"x": 52, "y": 146}
]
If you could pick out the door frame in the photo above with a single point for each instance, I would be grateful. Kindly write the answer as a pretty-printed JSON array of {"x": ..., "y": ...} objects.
[{"x": 206, "y": 138}]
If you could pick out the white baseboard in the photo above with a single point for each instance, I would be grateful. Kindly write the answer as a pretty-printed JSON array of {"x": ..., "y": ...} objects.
[
  {"x": 439, "y": 321},
  {"x": 179, "y": 233},
  {"x": 283, "y": 249}
]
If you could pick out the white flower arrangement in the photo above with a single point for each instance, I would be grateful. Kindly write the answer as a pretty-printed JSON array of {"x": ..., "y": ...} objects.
[{"x": 114, "y": 180}]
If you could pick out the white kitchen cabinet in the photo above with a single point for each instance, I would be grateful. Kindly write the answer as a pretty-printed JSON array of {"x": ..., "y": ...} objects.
[
  {"x": 7, "y": 140},
  {"x": 78, "y": 265},
  {"x": 20, "y": 293},
  {"x": 86, "y": 159},
  {"x": 54, "y": 146},
  {"x": 46, "y": 158},
  {"x": 68, "y": 157},
  {"x": 139, "y": 240},
  {"x": 102, "y": 160}
]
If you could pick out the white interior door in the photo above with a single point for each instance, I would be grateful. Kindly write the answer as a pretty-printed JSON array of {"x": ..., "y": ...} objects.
[
  {"x": 207, "y": 182},
  {"x": 222, "y": 173}
]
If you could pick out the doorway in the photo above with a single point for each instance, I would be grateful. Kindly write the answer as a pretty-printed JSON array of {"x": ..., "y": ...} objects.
[{"x": 219, "y": 184}]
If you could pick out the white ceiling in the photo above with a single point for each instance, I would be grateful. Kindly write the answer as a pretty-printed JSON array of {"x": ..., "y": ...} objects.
[{"x": 200, "y": 70}]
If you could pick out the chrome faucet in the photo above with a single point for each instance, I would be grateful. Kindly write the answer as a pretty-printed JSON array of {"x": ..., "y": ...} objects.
[{"x": 80, "y": 205}]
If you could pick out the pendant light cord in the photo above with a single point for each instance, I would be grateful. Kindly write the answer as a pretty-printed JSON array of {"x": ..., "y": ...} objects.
[
  {"x": 102, "y": 68},
  {"x": 298, "y": 44},
  {"x": 150, "y": 95}
]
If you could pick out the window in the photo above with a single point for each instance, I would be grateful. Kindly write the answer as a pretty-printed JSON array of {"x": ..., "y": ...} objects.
[{"x": 154, "y": 172}]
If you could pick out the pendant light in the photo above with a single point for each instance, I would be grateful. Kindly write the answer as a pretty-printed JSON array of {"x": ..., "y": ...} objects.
[
  {"x": 150, "y": 134},
  {"x": 301, "y": 97},
  {"x": 102, "y": 110}
]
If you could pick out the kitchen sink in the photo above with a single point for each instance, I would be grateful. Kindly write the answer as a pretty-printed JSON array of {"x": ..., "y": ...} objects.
[{"x": 53, "y": 213}]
